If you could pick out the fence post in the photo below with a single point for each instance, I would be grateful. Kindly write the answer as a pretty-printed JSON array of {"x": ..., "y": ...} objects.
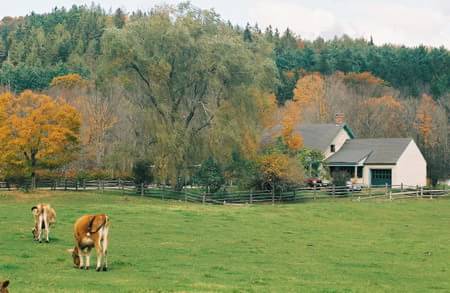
[
  {"x": 103, "y": 185},
  {"x": 417, "y": 190},
  {"x": 314, "y": 191},
  {"x": 295, "y": 195},
  {"x": 204, "y": 198},
  {"x": 76, "y": 185},
  {"x": 121, "y": 183},
  {"x": 370, "y": 190},
  {"x": 65, "y": 184},
  {"x": 273, "y": 194},
  {"x": 386, "y": 189},
  {"x": 163, "y": 190},
  {"x": 401, "y": 187},
  {"x": 390, "y": 194},
  {"x": 334, "y": 190},
  {"x": 98, "y": 184},
  {"x": 84, "y": 184},
  {"x": 142, "y": 188},
  {"x": 185, "y": 195},
  {"x": 251, "y": 196}
]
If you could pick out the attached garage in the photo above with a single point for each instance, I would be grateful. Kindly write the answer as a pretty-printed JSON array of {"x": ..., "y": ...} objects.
[{"x": 381, "y": 176}]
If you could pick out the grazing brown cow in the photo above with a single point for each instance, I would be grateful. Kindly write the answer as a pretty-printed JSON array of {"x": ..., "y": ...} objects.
[
  {"x": 4, "y": 287},
  {"x": 91, "y": 231},
  {"x": 44, "y": 217}
]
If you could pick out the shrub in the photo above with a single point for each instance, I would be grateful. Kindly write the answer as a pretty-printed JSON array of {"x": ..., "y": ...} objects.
[
  {"x": 142, "y": 172},
  {"x": 211, "y": 175}
]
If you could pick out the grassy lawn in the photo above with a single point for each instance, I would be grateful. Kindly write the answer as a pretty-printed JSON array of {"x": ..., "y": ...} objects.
[{"x": 323, "y": 246}]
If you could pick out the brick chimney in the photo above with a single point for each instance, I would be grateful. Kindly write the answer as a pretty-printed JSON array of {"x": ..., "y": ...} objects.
[{"x": 339, "y": 118}]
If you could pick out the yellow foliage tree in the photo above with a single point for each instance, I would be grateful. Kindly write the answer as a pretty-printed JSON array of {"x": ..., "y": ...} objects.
[
  {"x": 68, "y": 81},
  {"x": 309, "y": 95},
  {"x": 276, "y": 168},
  {"x": 36, "y": 132}
]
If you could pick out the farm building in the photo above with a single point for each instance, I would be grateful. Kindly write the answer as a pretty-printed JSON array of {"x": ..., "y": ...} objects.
[
  {"x": 377, "y": 161},
  {"x": 371, "y": 161}
]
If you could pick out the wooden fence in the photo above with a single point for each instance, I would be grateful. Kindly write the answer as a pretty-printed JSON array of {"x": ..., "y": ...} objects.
[{"x": 124, "y": 187}]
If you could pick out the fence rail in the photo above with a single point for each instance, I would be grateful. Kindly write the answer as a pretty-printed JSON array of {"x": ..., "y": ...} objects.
[{"x": 126, "y": 187}]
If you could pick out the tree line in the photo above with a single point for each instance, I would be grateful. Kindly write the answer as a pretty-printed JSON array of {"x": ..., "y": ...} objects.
[{"x": 177, "y": 94}]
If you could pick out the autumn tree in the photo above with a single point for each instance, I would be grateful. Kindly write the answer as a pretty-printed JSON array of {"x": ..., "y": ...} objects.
[
  {"x": 36, "y": 131},
  {"x": 431, "y": 124},
  {"x": 309, "y": 94},
  {"x": 278, "y": 170},
  {"x": 377, "y": 116},
  {"x": 98, "y": 112}
]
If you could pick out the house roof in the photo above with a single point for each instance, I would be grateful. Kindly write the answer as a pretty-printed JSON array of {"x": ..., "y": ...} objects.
[
  {"x": 373, "y": 150},
  {"x": 315, "y": 136}
]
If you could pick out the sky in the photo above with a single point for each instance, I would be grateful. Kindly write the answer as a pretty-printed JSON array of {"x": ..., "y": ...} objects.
[{"x": 408, "y": 22}]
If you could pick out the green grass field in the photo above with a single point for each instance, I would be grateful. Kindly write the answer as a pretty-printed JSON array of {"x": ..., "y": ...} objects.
[{"x": 323, "y": 246}]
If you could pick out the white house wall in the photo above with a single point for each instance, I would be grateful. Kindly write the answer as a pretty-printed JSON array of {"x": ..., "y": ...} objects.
[
  {"x": 411, "y": 167},
  {"x": 338, "y": 142}
]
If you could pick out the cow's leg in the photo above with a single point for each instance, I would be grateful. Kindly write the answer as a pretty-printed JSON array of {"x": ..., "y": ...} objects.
[
  {"x": 88, "y": 259},
  {"x": 81, "y": 254},
  {"x": 40, "y": 229},
  {"x": 105, "y": 248},
  {"x": 99, "y": 250},
  {"x": 47, "y": 229}
]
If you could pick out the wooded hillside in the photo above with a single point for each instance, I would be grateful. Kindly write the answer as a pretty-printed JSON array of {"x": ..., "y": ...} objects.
[{"x": 178, "y": 86}]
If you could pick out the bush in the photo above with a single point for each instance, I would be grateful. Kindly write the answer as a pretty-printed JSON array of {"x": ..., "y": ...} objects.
[
  {"x": 211, "y": 175},
  {"x": 142, "y": 172},
  {"x": 340, "y": 178}
]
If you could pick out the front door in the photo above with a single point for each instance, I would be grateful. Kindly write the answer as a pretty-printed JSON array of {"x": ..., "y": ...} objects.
[{"x": 381, "y": 176}]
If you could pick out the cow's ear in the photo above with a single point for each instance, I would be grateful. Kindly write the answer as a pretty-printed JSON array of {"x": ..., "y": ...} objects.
[
  {"x": 5, "y": 284},
  {"x": 70, "y": 250},
  {"x": 34, "y": 208}
]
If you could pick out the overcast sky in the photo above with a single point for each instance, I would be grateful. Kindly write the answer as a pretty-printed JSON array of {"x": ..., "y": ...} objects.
[{"x": 409, "y": 22}]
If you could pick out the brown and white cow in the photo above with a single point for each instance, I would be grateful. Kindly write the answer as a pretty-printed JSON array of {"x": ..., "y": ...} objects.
[
  {"x": 44, "y": 217},
  {"x": 91, "y": 231},
  {"x": 4, "y": 287}
]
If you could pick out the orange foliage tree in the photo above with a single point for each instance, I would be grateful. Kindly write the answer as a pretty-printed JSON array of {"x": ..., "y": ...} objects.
[
  {"x": 36, "y": 131},
  {"x": 291, "y": 117},
  {"x": 424, "y": 119}
]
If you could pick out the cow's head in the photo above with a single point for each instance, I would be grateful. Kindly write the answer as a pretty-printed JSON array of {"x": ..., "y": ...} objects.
[
  {"x": 4, "y": 287},
  {"x": 75, "y": 256}
]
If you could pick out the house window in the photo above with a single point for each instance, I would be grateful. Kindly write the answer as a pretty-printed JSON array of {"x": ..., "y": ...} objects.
[
  {"x": 359, "y": 172},
  {"x": 332, "y": 148}
]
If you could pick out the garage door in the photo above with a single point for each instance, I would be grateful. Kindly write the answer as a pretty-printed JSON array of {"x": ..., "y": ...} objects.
[{"x": 381, "y": 176}]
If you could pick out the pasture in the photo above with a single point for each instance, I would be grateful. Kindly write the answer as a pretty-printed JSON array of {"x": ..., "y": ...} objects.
[{"x": 323, "y": 246}]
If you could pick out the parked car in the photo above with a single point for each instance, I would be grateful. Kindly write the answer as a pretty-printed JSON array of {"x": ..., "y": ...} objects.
[
  {"x": 326, "y": 182},
  {"x": 353, "y": 187},
  {"x": 313, "y": 181}
]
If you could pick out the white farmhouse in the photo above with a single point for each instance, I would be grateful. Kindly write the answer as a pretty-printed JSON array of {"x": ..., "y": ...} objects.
[
  {"x": 377, "y": 161},
  {"x": 369, "y": 161}
]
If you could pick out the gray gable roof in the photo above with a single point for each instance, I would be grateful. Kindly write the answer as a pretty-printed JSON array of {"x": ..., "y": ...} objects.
[
  {"x": 315, "y": 136},
  {"x": 375, "y": 150}
]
